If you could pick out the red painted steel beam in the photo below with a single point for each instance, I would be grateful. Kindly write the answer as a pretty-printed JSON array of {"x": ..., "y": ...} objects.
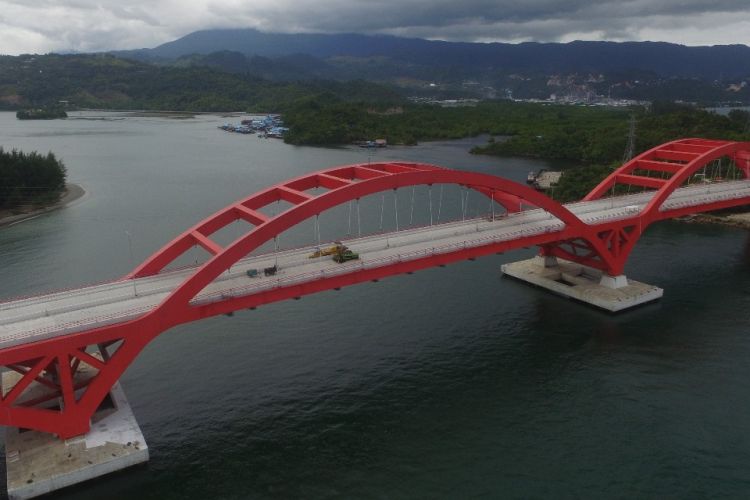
[
  {"x": 364, "y": 173},
  {"x": 397, "y": 168},
  {"x": 650, "y": 212},
  {"x": 703, "y": 142},
  {"x": 639, "y": 180},
  {"x": 293, "y": 196},
  {"x": 206, "y": 243},
  {"x": 330, "y": 182},
  {"x": 659, "y": 166},
  {"x": 252, "y": 216},
  {"x": 687, "y": 147},
  {"x": 670, "y": 154}
]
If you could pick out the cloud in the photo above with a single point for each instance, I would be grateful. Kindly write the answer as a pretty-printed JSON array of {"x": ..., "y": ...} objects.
[{"x": 96, "y": 25}]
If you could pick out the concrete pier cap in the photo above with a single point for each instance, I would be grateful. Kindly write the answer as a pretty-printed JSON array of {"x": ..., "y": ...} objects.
[
  {"x": 583, "y": 283},
  {"x": 613, "y": 281},
  {"x": 38, "y": 463}
]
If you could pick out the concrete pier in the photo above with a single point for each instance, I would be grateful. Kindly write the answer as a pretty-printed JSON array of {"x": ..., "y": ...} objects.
[
  {"x": 583, "y": 283},
  {"x": 39, "y": 463}
]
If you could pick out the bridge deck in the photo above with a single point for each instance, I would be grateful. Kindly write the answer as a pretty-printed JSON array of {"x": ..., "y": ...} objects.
[{"x": 35, "y": 318}]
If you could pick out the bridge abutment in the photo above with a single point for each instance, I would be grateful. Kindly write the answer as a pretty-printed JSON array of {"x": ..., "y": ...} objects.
[
  {"x": 583, "y": 283},
  {"x": 38, "y": 463}
]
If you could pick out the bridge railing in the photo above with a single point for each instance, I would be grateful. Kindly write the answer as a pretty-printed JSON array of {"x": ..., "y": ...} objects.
[
  {"x": 72, "y": 326},
  {"x": 364, "y": 264}
]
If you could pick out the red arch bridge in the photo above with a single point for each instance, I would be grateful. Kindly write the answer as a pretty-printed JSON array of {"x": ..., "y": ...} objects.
[{"x": 47, "y": 340}]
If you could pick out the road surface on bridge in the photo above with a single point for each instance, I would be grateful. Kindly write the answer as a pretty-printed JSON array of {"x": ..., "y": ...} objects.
[{"x": 35, "y": 318}]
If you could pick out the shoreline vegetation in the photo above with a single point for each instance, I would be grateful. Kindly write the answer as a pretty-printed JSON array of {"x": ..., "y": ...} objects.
[
  {"x": 49, "y": 113},
  {"x": 589, "y": 139},
  {"x": 31, "y": 182}
]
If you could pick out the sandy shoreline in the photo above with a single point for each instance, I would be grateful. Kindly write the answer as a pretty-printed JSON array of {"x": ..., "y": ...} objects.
[{"x": 72, "y": 193}]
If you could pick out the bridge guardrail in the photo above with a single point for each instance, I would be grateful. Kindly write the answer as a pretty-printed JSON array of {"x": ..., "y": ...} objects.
[
  {"x": 365, "y": 264},
  {"x": 74, "y": 326}
]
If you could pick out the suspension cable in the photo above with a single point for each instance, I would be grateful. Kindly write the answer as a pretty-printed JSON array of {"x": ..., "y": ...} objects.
[
  {"x": 317, "y": 223},
  {"x": 430, "y": 201},
  {"x": 349, "y": 227},
  {"x": 440, "y": 203},
  {"x": 461, "y": 207},
  {"x": 359, "y": 221},
  {"x": 466, "y": 203},
  {"x": 395, "y": 206},
  {"x": 276, "y": 254},
  {"x": 411, "y": 213},
  {"x": 382, "y": 208}
]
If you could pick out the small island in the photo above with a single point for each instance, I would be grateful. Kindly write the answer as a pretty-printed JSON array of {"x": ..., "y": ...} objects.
[
  {"x": 32, "y": 183},
  {"x": 51, "y": 113}
]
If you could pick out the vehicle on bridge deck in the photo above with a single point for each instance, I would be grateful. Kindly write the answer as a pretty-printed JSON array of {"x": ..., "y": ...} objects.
[
  {"x": 270, "y": 271},
  {"x": 323, "y": 252},
  {"x": 344, "y": 254}
]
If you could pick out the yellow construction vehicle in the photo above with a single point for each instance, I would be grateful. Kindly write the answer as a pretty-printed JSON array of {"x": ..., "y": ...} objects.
[{"x": 322, "y": 252}]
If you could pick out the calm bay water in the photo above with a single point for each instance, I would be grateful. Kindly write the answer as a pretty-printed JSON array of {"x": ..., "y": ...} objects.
[{"x": 450, "y": 383}]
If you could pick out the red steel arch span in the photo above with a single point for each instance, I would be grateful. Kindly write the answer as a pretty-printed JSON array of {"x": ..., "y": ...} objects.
[
  {"x": 51, "y": 364},
  {"x": 663, "y": 169}
]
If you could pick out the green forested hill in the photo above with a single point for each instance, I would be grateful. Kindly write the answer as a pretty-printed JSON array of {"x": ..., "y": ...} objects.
[
  {"x": 587, "y": 135},
  {"x": 595, "y": 135},
  {"x": 103, "y": 81}
]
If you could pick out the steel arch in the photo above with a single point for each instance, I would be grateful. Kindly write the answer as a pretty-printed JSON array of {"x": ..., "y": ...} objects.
[
  {"x": 53, "y": 362},
  {"x": 61, "y": 355},
  {"x": 608, "y": 246}
]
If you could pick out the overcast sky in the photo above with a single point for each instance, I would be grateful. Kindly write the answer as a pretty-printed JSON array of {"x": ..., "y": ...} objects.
[{"x": 38, "y": 26}]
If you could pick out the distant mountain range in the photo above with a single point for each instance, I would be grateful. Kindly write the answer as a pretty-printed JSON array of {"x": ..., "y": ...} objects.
[
  {"x": 572, "y": 71},
  {"x": 659, "y": 58}
]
